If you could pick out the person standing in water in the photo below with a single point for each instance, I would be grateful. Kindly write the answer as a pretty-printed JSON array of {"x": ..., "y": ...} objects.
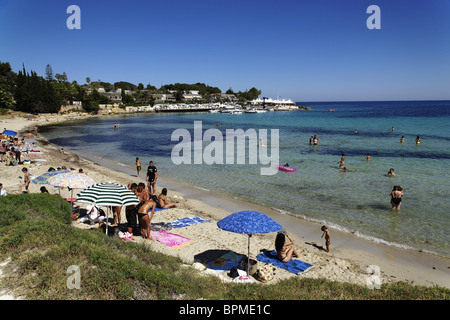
[
  {"x": 315, "y": 140},
  {"x": 396, "y": 197}
]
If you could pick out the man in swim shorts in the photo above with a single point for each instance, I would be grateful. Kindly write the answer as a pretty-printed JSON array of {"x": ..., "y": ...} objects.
[
  {"x": 138, "y": 166},
  {"x": 152, "y": 175}
]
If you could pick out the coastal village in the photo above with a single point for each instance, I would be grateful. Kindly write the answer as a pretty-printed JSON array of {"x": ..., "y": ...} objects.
[{"x": 192, "y": 102}]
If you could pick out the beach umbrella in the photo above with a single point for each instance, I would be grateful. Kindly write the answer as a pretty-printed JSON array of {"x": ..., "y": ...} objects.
[
  {"x": 42, "y": 179},
  {"x": 72, "y": 180},
  {"x": 10, "y": 133},
  {"x": 108, "y": 194},
  {"x": 249, "y": 222}
]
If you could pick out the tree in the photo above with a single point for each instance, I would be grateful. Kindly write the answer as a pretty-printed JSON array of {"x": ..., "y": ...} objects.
[
  {"x": 88, "y": 80},
  {"x": 7, "y": 85},
  {"x": 48, "y": 73},
  {"x": 6, "y": 101},
  {"x": 34, "y": 94}
]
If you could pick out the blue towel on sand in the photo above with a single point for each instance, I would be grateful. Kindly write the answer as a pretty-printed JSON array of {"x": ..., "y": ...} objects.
[
  {"x": 159, "y": 209},
  {"x": 180, "y": 223},
  {"x": 293, "y": 265}
]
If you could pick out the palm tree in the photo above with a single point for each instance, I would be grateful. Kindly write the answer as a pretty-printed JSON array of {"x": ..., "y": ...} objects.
[{"x": 88, "y": 80}]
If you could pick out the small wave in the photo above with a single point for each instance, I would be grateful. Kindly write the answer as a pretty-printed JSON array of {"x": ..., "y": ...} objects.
[
  {"x": 200, "y": 188},
  {"x": 355, "y": 233}
]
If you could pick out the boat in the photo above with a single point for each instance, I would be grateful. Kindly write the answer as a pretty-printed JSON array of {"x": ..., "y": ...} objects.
[
  {"x": 331, "y": 110},
  {"x": 287, "y": 169},
  {"x": 213, "y": 111},
  {"x": 251, "y": 111},
  {"x": 231, "y": 111}
]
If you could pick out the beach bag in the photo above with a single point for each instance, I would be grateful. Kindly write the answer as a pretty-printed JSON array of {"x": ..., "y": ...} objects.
[{"x": 265, "y": 272}]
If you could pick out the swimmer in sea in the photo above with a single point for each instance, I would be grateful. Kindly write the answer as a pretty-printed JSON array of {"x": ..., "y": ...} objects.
[
  {"x": 418, "y": 140},
  {"x": 396, "y": 197},
  {"x": 402, "y": 139},
  {"x": 391, "y": 172}
]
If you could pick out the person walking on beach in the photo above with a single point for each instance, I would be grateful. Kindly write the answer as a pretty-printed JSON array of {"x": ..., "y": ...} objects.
[
  {"x": 152, "y": 175},
  {"x": 396, "y": 197},
  {"x": 138, "y": 166},
  {"x": 26, "y": 181},
  {"x": 284, "y": 251},
  {"x": 326, "y": 233}
]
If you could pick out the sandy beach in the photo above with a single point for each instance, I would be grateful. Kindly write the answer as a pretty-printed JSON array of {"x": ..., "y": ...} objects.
[{"x": 348, "y": 260}]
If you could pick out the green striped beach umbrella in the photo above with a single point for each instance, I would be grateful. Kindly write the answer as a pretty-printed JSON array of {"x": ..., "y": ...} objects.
[{"x": 108, "y": 194}]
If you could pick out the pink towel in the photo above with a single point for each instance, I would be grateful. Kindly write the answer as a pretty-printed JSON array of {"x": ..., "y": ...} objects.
[{"x": 172, "y": 240}]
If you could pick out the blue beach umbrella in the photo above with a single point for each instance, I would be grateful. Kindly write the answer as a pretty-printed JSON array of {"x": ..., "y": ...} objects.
[
  {"x": 10, "y": 133},
  {"x": 249, "y": 222}
]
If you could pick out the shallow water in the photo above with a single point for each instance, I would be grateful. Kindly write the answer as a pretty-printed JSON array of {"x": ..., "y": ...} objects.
[{"x": 355, "y": 201}]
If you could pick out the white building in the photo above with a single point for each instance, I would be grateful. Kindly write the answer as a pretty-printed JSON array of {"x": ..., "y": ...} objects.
[{"x": 272, "y": 102}]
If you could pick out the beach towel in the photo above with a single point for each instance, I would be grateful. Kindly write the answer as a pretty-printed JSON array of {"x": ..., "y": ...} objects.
[
  {"x": 172, "y": 240},
  {"x": 189, "y": 221},
  {"x": 158, "y": 209},
  {"x": 293, "y": 265},
  {"x": 227, "y": 261}
]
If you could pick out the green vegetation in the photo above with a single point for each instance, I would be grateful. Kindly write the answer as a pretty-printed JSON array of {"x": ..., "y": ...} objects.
[
  {"x": 28, "y": 92},
  {"x": 36, "y": 232}
]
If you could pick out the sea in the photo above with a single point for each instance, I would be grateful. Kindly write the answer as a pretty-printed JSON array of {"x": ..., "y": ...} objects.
[{"x": 355, "y": 201}]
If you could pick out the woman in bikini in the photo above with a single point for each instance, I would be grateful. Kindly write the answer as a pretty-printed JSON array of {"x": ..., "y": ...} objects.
[
  {"x": 396, "y": 197},
  {"x": 162, "y": 201},
  {"x": 145, "y": 221},
  {"x": 284, "y": 252}
]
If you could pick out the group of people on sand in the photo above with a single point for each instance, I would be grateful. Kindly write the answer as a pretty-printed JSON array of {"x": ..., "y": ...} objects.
[{"x": 144, "y": 211}]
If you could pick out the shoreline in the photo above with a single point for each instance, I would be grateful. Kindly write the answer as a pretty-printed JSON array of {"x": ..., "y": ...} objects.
[{"x": 349, "y": 257}]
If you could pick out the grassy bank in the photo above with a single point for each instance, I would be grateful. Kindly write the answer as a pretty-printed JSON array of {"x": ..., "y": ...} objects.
[{"x": 36, "y": 234}]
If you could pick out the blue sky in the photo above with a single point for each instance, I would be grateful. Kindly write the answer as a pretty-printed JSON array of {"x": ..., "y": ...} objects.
[{"x": 316, "y": 50}]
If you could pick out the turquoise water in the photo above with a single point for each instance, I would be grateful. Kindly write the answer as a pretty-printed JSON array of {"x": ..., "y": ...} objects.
[{"x": 356, "y": 202}]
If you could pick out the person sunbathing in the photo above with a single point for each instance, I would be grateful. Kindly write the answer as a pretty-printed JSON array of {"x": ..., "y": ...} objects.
[
  {"x": 284, "y": 251},
  {"x": 162, "y": 202}
]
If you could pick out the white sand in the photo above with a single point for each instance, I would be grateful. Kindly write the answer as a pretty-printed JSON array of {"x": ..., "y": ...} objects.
[{"x": 348, "y": 260}]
